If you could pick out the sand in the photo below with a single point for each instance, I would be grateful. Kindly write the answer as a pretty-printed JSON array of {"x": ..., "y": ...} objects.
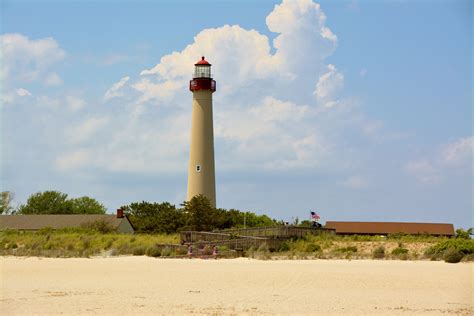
[{"x": 142, "y": 285}]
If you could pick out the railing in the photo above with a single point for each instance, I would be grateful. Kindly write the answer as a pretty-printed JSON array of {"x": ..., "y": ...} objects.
[{"x": 276, "y": 231}]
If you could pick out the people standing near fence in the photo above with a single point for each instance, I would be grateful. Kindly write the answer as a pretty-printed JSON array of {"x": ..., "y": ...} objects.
[
  {"x": 214, "y": 252},
  {"x": 190, "y": 251}
]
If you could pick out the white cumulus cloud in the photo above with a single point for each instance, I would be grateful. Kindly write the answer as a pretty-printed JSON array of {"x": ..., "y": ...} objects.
[
  {"x": 266, "y": 116},
  {"x": 25, "y": 59}
]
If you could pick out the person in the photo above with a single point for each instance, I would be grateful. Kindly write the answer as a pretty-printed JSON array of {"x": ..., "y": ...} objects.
[
  {"x": 214, "y": 251},
  {"x": 190, "y": 250}
]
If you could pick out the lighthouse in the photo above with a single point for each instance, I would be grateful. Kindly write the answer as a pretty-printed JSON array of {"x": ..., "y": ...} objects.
[{"x": 201, "y": 173}]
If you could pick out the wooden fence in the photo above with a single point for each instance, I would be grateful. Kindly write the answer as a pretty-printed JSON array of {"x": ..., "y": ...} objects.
[
  {"x": 242, "y": 239},
  {"x": 277, "y": 231}
]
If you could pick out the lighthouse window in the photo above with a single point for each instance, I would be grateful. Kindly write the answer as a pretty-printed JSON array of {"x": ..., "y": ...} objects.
[
  {"x": 202, "y": 72},
  {"x": 198, "y": 168}
]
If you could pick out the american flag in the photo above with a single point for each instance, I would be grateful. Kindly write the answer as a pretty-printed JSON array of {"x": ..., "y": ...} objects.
[{"x": 315, "y": 216}]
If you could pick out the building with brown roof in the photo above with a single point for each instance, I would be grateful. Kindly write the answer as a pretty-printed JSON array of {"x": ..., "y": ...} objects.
[
  {"x": 385, "y": 228},
  {"x": 119, "y": 222}
]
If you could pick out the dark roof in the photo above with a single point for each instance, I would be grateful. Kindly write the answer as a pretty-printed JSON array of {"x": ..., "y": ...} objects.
[
  {"x": 391, "y": 228},
  {"x": 34, "y": 222}
]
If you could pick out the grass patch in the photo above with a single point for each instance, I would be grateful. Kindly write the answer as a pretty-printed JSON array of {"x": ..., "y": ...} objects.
[
  {"x": 379, "y": 252},
  {"x": 78, "y": 243},
  {"x": 348, "y": 249}
]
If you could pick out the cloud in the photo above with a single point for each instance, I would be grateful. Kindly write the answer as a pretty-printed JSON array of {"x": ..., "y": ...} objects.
[
  {"x": 449, "y": 157},
  {"x": 53, "y": 79},
  {"x": 73, "y": 160},
  {"x": 75, "y": 103},
  {"x": 114, "y": 91},
  {"x": 85, "y": 130},
  {"x": 27, "y": 60},
  {"x": 277, "y": 110},
  {"x": 243, "y": 56},
  {"x": 329, "y": 84},
  {"x": 266, "y": 115},
  {"x": 423, "y": 170},
  {"x": 22, "y": 92},
  {"x": 458, "y": 152}
]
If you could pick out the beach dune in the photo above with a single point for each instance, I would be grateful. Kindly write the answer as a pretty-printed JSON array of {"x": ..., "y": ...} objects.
[{"x": 143, "y": 285}]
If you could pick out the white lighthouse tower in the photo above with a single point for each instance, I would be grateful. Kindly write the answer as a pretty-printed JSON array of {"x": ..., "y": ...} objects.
[{"x": 201, "y": 173}]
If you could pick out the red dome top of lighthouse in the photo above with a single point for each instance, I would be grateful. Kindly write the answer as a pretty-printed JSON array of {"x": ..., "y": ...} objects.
[{"x": 203, "y": 61}]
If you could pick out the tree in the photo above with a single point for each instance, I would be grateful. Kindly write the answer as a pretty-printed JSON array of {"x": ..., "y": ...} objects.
[
  {"x": 55, "y": 202},
  {"x": 200, "y": 215},
  {"x": 154, "y": 217},
  {"x": 464, "y": 234},
  {"x": 47, "y": 202},
  {"x": 6, "y": 198},
  {"x": 87, "y": 205}
]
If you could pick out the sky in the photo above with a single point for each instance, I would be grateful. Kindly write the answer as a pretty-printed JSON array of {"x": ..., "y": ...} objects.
[{"x": 359, "y": 110}]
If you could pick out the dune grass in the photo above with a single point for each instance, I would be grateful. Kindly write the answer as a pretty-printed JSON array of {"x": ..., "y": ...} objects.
[
  {"x": 89, "y": 242},
  {"x": 78, "y": 243}
]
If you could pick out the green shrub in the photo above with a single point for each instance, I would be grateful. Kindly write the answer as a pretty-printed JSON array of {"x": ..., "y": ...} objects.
[
  {"x": 347, "y": 249},
  {"x": 284, "y": 246},
  {"x": 463, "y": 234},
  {"x": 181, "y": 251},
  {"x": 100, "y": 226},
  {"x": 452, "y": 255},
  {"x": 108, "y": 244},
  {"x": 399, "y": 251},
  {"x": 139, "y": 251},
  {"x": 312, "y": 248},
  {"x": 464, "y": 246},
  {"x": 153, "y": 251},
  {"x": 378, "y": 252},
  {"x": 86, "y": 242},
  {"x": 166, "y": 252}
]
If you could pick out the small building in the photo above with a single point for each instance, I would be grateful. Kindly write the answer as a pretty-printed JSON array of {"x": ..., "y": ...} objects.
[
  {"x": 119, "y": 223},
  {"x": 385, "y": 228}
]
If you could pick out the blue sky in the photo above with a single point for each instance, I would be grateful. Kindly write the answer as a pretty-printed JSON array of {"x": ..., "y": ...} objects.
[{"x": 361, "y": 110}]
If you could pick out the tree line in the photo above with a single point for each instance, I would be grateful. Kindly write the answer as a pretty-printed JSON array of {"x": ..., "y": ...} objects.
[
  {"x": 51, "y": 202},
  {"x": 146, "y": 217}
]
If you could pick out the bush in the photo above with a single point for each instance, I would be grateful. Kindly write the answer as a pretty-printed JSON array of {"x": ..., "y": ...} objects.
[
  {"x": 284, "y": 246},
  {"x": 378, "y": 253},
  {"x": 463, "y": 234},
  {"x": 399, "y": 251},
  {"x": 181, "y": 251},
  {"x": 101, "y": 226},
  {"x": 464, "y": 246},
  {"x": 347, "y": 249},
  {"x": 139, "y": 251},
  {"x": 452, "y": 255},
  {"x": 312, "y": 248},
  {"x": 166, "y": 252},
  {"x": 153, "y": 251}
]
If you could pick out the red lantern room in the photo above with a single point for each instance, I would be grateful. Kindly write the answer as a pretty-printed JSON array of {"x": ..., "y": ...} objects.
[{"x": 202, "y": 79}]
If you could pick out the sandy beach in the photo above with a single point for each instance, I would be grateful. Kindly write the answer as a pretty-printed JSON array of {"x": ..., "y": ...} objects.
[{"x": 143, "y": 285}]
